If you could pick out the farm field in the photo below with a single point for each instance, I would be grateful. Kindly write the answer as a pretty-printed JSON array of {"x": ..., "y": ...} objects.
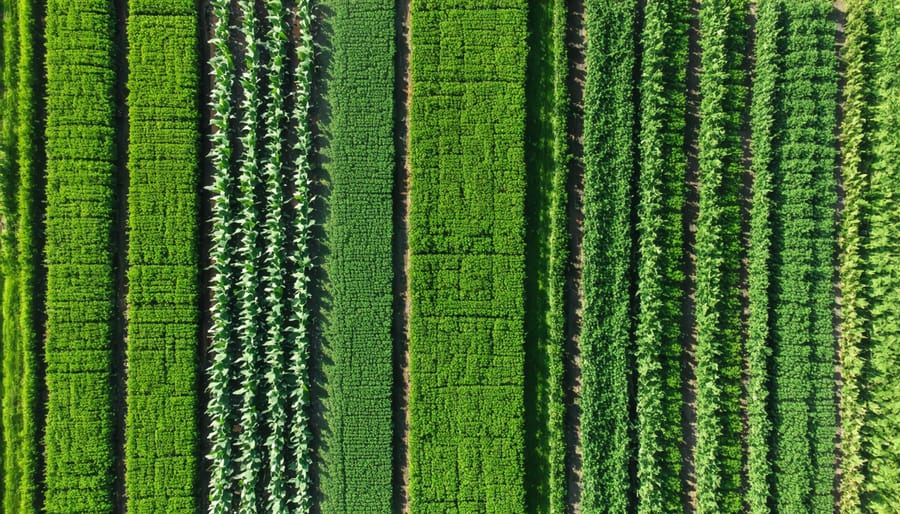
[{"x": 446, "y": 256}]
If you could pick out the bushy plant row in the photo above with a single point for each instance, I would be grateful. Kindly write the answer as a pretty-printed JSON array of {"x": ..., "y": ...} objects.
[
  {"x": 661, "y": 194},
  {"x": 882, "y": 492},
  {"x": 258, "y": 376},
  {"x": 81, "y": 173},
  {"x": 161, "y": 425},
  {"x": 546, "y": 242},
  {"x": 718, "y": 454},
  {"x": 607, "y": 352},
  {"x": 11, "y": 349},
  {"x": 467, "y": 272},
  {"x": 357, "y": 457},
  {"x": 794, "y": 138}
]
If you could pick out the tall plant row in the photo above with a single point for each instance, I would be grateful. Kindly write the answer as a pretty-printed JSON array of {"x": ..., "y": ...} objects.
[
  {"x": 718, "y": 454},
  {"x": 660, "y": 275},
  {"x": 882, "y": 489},
  {"x": 258, "y": 374}
]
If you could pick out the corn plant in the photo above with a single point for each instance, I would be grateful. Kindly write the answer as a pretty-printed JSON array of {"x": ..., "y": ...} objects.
[{"x": 222, "y": 255}]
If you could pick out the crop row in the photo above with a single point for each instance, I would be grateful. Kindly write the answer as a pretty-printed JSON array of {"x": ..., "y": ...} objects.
[
  {"x": 161, "y": 426},
  {"x": 81, "y": 174},
  {"x": 357, "y": 457},
  {"x": 718, "y": 454},
  {"x": 869, "y": 286},
  {"x": 660, "y": 276},
  {"x": 608, "y": 444},
  {"x": 856, "y": 162},
  {"x": 793, "y": 124},
  {"x": 258, "y": 376},
  {"x": 19, "y": 255},
  {"x": 467, "y": 161},
  {"x": 883, "y": 491},
  {"x": 546, "y": 243}
]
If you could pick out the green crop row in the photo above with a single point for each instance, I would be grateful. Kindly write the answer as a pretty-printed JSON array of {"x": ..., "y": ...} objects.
[
  {"x": 221, "y": 453},
  {"x": 19, "y": 259},
  {"x": 81, "y": 173},
  {"x": 248, "y": 262},
  {"x": 856, "y": 145},
  {"x": 606, "y": 335},
  {"x": 467, "y": 275},
  {"x": 882, "y": 490},
  {"x": 718, "y": 454},
  {"x": 661, "y": 194},
  {"x": 546, "y": 242},
  {"x": 161, "y": 425},
  {"x": 766, "y": 90},
  {"x": 11, "y": 349},
  {"x": 803, "y": 244},
  {"x": 258, "y": 378},
  {"x": 792, "y": 254},
  {"x": 357, "y": 458}
]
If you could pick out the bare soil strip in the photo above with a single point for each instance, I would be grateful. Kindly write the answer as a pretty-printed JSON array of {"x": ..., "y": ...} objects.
[
  {"x": 575, "y": 42},
  {"x": 402, "y": 96},
  {"x": 39, "y": 293},
  {"x": 205, "y": 273},
  {"x": 746, "y": 206},
  {"x": 839, "y": 15},
  {"x": 689, "y": 220},
  {"x": 120, "y": 256}
]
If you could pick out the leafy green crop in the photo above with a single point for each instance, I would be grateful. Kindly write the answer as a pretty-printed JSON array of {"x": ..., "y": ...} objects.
[
  {"x": 607, "y": 347},
  {"x": 163, "y": 296},
  {"x": 467, "y": 275},
  {"x": 660, "y": 273},
  {"x": 357, "y": 458},
  {"x": 81, "y": 168},
  {"x": 766, "y": 90},
  {"x": 222, "y": 251},
  {"x": 718, "y": 455},
  {"x": 794, "y": 163}
]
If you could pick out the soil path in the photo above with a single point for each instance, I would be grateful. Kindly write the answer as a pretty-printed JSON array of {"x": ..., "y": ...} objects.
[
  {"x": 575, "y": 42},
  {"x": 119, "y": 256},
  {"x": 690, "y": 211},
  {"x": 402, "y": 97}
]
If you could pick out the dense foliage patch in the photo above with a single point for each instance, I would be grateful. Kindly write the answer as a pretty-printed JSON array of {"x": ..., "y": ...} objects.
[
  {"x": 357, "y": 457},
  {"x": 467, "y": 129},
  {"x": 81, "y": 174},
  {"x": 163, "y": 297},
  {"x": 795, "y": 135},
  {"x": 607, "y": 347},
  {"x": 718, "y": 454}
]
